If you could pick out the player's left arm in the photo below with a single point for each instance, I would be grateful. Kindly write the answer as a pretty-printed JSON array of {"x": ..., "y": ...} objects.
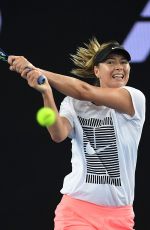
[{"x": 116, "y": 98}]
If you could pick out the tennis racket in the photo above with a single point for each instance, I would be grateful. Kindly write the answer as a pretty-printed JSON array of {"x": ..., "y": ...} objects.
[{"x": 4, "y": 57}]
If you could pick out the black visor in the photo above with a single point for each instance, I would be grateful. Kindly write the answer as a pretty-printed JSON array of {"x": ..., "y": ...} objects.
[{"x": 112, "y": 48}]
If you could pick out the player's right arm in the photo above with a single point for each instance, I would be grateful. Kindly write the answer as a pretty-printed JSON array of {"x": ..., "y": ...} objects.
[
  {"x": 60, "y": 130},
  {"x": 62, "y": 127}
]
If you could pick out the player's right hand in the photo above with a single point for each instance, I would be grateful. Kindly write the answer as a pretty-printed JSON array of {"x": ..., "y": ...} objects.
[{"x": 32, "y": 78}]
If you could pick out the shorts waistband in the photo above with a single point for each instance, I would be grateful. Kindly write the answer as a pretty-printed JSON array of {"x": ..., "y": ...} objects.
[{"x": 114, "y": 210}]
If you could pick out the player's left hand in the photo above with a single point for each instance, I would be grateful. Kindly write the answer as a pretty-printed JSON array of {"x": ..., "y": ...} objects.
[{"x": 19, "y": 64}]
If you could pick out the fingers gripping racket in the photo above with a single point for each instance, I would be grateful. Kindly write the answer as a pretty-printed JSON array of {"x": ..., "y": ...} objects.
[{"x": 4, "y": 57}]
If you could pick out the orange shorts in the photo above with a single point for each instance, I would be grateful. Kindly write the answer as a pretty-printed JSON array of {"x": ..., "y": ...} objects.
[{"x": 74, "y": 214}]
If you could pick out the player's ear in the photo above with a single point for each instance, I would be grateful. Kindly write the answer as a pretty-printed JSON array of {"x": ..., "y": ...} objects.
[{"x": 96, "y": 71}]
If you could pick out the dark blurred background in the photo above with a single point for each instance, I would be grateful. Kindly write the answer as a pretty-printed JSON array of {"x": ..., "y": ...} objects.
[{"x": 32, "y": 167}]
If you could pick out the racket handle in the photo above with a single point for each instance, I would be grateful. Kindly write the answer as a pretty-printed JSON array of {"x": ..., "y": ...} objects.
[{"x": 41, "y": 80}]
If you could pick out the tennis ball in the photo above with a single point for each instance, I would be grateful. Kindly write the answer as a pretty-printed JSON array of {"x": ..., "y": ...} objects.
[{"x": 46, "y": 116}]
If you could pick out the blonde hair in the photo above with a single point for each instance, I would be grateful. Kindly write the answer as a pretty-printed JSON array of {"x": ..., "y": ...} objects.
[{"x": 84, "y": 59}]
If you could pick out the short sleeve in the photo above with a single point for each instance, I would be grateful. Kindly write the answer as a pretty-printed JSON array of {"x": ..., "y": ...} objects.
[
  {"x": 139, "y": 102},
  {"x": 67, "y": 110}
]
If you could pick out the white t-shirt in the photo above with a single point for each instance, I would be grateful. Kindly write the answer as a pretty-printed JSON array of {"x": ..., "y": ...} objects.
[{"x": 104, "y": 150}]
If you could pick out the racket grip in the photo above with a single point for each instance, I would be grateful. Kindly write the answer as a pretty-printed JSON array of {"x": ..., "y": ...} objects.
[{"x": 41, "y": 79}]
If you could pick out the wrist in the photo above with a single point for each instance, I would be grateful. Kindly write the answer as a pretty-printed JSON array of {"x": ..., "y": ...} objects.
[{"x": 47, "y": 93}]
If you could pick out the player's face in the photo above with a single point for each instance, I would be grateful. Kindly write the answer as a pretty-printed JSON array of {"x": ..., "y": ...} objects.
[{"x": 113, "y": 72}]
